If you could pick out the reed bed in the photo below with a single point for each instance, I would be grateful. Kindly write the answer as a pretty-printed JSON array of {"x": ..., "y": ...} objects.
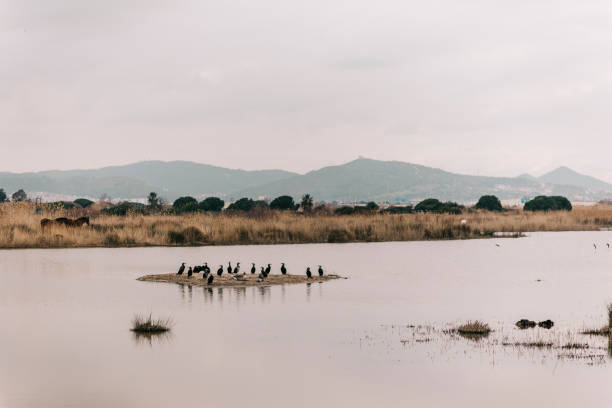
[{"x": 20, "y": 227}]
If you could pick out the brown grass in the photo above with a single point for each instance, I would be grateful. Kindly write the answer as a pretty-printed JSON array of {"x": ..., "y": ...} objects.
[{"x": 20, "y": 227}]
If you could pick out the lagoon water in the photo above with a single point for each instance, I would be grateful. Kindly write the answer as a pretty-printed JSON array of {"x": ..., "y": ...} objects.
[{"x": 65, "y": 317}]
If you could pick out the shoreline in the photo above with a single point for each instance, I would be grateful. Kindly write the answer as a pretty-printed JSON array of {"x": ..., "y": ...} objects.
[{"x": 225, "y": 281}]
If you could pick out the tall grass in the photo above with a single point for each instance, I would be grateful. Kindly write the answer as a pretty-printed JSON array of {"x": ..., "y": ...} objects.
[{"x": 20, "y": 227}]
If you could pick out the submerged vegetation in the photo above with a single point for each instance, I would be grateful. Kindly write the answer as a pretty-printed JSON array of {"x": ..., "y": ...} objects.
[{"x": 20, "y": 226}]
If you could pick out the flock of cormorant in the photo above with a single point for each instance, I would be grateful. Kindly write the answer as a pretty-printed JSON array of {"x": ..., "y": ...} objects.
[{"x": 235, "y": 272}]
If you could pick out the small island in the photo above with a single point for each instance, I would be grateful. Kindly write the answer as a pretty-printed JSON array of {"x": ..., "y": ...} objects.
[{"x": 229, "y": 280}]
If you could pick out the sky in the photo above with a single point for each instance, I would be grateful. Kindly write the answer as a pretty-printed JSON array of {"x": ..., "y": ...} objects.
[{"x": 479, "y": 87}]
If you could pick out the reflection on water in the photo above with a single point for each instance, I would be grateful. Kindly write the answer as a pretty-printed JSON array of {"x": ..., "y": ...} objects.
[
  {"x": 149, "y": 339},
  {"x": 381, "y": 338}
]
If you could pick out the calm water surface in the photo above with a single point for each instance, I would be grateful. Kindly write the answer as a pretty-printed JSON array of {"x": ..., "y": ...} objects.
[{"x": 65, "y": 318}]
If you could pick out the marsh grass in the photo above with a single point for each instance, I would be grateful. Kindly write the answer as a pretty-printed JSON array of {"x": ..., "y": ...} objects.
[
  {"x": 603, "y": 331},
  {"x": 474, "y": 328},
  {"x": 148, "y": 325},
  {"x": 20, "y": 227}
]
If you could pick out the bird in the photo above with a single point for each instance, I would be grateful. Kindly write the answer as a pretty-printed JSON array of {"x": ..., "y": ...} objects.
[
  {"x": 263, "y": 273},
  {"x": 210, "y": 279},
  {"x": 320, "y": 271},
  {"x": 268, "y": 269},
  {"x": 308, "y": 273},
  {"x": 197, "y": 269},
  {"x": 608, "y": 244},
  {"x": 261, "y": 277},
  {"x": 220, "y": 270},
  {"x": 240, "y": 277},
  {"x": 283, "y": 269},
  {"x": 206, "y": 268},
  {"x": 205, "y": 274},
  {"x": 497, "y": 245},
  {"x": 189, "y": 272},
  {"x": 594, "y": 246},
  {"x": 237, "y": 268},
  {"x": 253, "y": 269},
  {"x": 181, "y": 269},
  {"x": 229, "y": 268}
]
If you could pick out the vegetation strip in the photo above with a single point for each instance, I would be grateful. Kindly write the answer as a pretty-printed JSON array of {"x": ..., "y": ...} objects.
[{"x": 229, "y": 280}]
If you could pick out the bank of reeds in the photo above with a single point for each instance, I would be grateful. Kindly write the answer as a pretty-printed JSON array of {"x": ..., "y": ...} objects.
[
  {"x": 148, "y": 325},
  {"x": 20, "y": 227}
]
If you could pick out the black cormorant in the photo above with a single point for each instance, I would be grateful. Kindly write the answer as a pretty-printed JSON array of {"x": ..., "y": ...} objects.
[
  {"x": 283, "y": 269},
  {"x": 268, "y": 269},
  {"x": 206, "y": 268},
  {"x": 237, "y": 268},
  {"x": 211, "y": 277},
  {"x": 181, "y": 269},
  {"x": 253, "y": 269},
  {"x": 320, "y": 271},
  {"x": 220, "y": 270},
  {"x": 189, "y": 272},
  {"x": 308, "y": 273},
  {"x": 263, "y": 272},
  {"x": 229, "y": 268}
]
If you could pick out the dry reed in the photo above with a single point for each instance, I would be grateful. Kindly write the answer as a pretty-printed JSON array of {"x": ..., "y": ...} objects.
[{"x": 20, "y": 227}]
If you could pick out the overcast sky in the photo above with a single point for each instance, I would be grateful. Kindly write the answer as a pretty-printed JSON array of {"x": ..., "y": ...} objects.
[{"x": 474, "y": 86}]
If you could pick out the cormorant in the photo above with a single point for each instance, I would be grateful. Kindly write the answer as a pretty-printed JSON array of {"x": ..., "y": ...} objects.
[
  {"x": 253, "y": 269},
  {"x": 205, "y": 274},
  {"x": 263, "y": 272},
  {"x": 181, "y": 269},
  {"x": 237, "y": 268},
  {"x": 320, "y": 271},
  {"x": 189, "y": 272},
  {"x": 220, "y": 270},
  {"x": 196, "y": 269},
  {"x": 268, "y": 269},
  {"x": 206, "y": 268},
  {"x": 308, "y": 273},
  {"x": 283, "y": 269},
  {"x": 229, "y": 268},
  {"x": 211, "y": 277}
]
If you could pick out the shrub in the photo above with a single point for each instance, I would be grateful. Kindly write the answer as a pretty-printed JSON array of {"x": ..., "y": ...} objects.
[
  {"x": 125, "y": 208},
  {"x": 490, "y": 203},
  {"x": 3, "y": 197},
  {"x": 372, "y": 206},
  {"x": 193, "y": 235},
  {"x": 176, "y": 237},
  {"x": 185, "y": 204},
  {"x": 83, "y": 202},
  {"x": 397, "y": 210},
  {"x": 344, "y": 210},
  {"x": 244, "y": 204},
  {"x": 284, "y": 202},
  {"x": 19, "y": 195},
  {"x": 337, "y": 236},
  {"x": 213, "y": 204},
  {"x": 548, "y": 203},
  {"x": 433, "y": 205}
]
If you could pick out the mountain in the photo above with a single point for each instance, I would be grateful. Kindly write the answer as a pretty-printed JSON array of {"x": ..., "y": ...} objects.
[
  {"x": 366, "y": 179},
  {"x": 170, "y": 179},
  {"x": 358, "y": 180},
  {"x": 568, "y": 177}
]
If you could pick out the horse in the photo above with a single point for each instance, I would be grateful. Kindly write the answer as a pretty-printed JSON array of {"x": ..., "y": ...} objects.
[{"x": 66, "y": 222}]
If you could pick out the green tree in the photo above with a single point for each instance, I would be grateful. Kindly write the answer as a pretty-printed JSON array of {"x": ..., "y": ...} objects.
[
  {"x": 19, "y": 195},
  {"x": 154, "y": 201},
  {"x": 244, "y": 204},
  {"x": 213, "y": 204},
  {"x": 283, "y": 202},
  {"x": 490, "y": 203},
  {"x": 372, "y": 206},
  {"x": 548, "y": 203},
  {"x": 185, "y": 204},
  {"x": 433, "y": 205},
  {"x": 306, "y": 203},
  {"x": 3, "y": 197},
  {"x": 83, "y": 202}
]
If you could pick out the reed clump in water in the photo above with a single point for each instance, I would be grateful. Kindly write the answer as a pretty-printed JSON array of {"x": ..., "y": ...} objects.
[
  {"x": 474, "y": 328},
  {"x": 148, "y": 325},
  {"x": 20, "y": 227}
]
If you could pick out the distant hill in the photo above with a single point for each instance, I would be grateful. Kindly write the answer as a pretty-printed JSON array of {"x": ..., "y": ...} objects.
[
  {"x": 366, "y": 179},
  {"x": 170, "y": 179},
  {"x": 567, "y": 176},
  {"x": 361, "y": 179}
]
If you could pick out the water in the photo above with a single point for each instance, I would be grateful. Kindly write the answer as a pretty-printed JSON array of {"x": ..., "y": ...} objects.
[{"x": 65, "y": 318}]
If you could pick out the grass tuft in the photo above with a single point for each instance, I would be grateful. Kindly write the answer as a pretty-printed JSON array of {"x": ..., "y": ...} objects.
[
  {"x": 474, "y": 327},
  {"x": 142, "y": 324}
]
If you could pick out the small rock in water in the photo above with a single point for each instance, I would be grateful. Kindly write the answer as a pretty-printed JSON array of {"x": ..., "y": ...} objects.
[
  {"x": 547, "y": 324},
  {"x": 525, "y": 324}
]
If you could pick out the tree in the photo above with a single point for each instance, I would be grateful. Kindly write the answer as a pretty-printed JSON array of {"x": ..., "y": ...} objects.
[
  {"x": 3, "y": 197},
  {"x": 344, "y": 210},
  {"x": 433, "y": 205},
  {"x": 548, "y": 203},
  {"x": 83, "y": 202},
  {"x": 372, "y": 206},
  {"x": 185, "y": 204},
  {"x": 490, "y": 203},
  {"x": 306, "y": 203},
  {"x": 19, "y": 195},
  {"x": 283, "y": 202},
  {"x": 153, "y": 200},
  {"x": 244, "y": 204},
  {"x": 213, "y": 204}
]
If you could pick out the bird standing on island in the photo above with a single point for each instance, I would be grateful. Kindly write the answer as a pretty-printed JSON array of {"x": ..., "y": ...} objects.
[
  {"x": 237, "y": 268},
  {"x": 253, "y": 269},
  {"x": 320, "y": 271},
  {"x": 229, "y": 268},
  {"x": 210, "y": 279},
  {"x": 181, "y": 269},
  {"x": 206, "y": 268},
  {"x": 594, "y": 246},
  {"x": 263, "y": 272},
  {"x": 268, "y": 269},
  {"x": 220, "y": 270},
  {"x": 308, "y": 273},
  {"x": 189, "y": 272},
  {"x": 283, "y": 269}
]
